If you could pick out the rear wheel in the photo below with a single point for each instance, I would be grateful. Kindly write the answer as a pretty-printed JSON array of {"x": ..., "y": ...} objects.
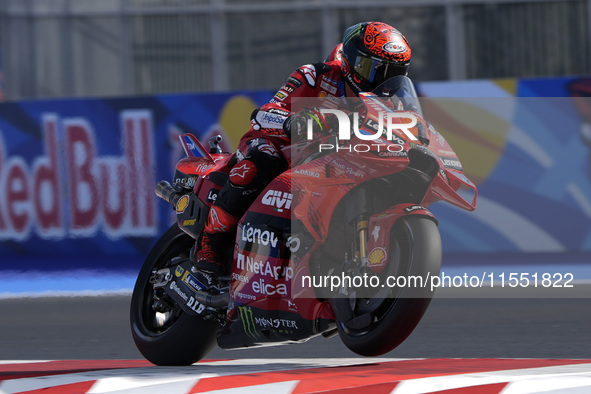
[
  {"x": 163, "y": 333},
  {"x": 381, "y": 320}
]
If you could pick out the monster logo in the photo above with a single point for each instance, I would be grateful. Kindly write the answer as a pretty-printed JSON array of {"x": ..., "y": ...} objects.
[{"x": 248, "y": 322}]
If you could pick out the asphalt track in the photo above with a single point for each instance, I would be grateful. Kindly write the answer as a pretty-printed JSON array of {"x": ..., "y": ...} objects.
[
  {"x": 72, "y": 328},
  {"x": 483, "y": 345}
]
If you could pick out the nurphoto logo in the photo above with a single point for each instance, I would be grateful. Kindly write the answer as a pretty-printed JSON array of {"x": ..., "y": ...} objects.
[{"x": 388, "y": 122}]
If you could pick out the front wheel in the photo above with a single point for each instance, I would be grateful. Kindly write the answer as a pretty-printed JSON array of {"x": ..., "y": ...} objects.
[
  {"x": 167, "y": 336},
  {"x": 383, "y": 321}
]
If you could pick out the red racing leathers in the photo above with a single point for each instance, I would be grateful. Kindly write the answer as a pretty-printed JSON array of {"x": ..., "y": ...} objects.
[
  {"x": 313, "y": 81},
  {"x": 259, "y": 152}
]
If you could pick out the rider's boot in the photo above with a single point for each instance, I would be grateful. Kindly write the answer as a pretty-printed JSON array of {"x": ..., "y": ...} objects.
[{"x": 208, "y": 251}]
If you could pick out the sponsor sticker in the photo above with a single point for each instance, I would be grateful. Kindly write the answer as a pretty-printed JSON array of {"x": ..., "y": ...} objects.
[
  {"x": 248, "y": 325},
  {"x": 212, "y": 195},
  {"x": 258, "y": 236},
  {"x": 179, "y": 271},
  {"x": 294, "y": 81},
  {"x": 377, "y": 257},
  {"x": 277, "y": 199},
  {"x": 394, "y": 47},
  {"x": 240, "y": 278},
  {"x": 287, "y": 88},
  {"x": 182, "y": 204},
  {"x": 451, "y": 162},
  {"x": 270, "y": 120},
  {"x": 278, "y": 112},
  {"x": 264, "y": 268},
  {"x": 192, "y": 282},
  {"x": 266, "y": 323},
  {"x": 329, "y": 88},
  {"x": 413, "y": 208},
  {"x": 195, "y": 305},
  {"x": 376, "y": 233},
  {"x": 187, "y": 181},
  {"x": 312, "y": 174},
  {"x": 280, "y": 95},
  {"x": 261, "y": 287},
  {"x": 330, "y": 80},
  {"x": 178, "y": 291}
]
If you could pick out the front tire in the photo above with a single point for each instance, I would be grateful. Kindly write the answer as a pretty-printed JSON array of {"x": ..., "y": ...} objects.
[
  {"x": 172, "y": 338},
  {"x": 415, "y": 249}
]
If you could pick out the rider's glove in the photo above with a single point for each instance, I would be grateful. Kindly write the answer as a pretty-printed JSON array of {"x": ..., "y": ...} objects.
[{"x": 296, "y": 125}]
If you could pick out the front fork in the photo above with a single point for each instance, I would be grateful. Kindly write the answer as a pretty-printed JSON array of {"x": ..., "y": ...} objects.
[
  {"x": 362, "y": 236},
  {"x": 357, "y": 211}
]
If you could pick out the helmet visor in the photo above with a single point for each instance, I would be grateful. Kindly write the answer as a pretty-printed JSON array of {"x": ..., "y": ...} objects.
[{"x": 375, "y": 71}]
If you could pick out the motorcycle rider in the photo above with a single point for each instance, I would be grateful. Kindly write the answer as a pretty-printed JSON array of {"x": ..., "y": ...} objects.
[{"x": 371, "y": 53}]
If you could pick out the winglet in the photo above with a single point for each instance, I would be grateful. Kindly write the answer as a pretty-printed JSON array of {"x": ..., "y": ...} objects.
[{"x": 193, "y": 147}]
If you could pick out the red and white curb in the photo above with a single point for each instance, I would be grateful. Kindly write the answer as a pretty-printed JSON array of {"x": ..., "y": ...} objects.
[{"x": 343, "y": 376}]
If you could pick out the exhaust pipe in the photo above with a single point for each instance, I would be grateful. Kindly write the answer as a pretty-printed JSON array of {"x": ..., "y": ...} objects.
[{"x": 168, "y": 193}]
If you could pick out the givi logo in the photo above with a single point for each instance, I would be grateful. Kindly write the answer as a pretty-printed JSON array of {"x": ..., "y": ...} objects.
[{"x": 278, "y": 200}]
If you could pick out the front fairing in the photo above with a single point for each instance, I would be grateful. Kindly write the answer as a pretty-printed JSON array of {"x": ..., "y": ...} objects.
[{"x": 398, "y": 95}]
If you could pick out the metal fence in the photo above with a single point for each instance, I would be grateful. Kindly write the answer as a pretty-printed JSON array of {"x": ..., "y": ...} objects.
[{"x": 82, "y": 48}]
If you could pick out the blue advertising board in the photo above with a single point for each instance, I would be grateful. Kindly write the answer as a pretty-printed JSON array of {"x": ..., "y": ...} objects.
[
  {"x": 77, "y": 176},
  {"x": 526, "y": 144}
]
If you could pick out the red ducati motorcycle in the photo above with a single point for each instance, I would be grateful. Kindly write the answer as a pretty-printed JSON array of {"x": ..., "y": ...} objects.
[{"x": 341, "y": 243}]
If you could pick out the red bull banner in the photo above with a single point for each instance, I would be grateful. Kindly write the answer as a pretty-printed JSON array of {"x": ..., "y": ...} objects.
[{"x": 77, "y": 176}]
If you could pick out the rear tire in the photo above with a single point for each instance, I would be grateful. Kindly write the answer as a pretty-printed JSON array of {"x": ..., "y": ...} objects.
[
  {"x": 176, "y": 338},
  {"x": 415, "y": 249}
]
